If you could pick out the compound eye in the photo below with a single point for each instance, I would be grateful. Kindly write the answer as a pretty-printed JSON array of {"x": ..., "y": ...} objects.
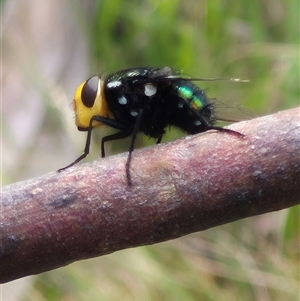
[{"x": 89, "y": 91}]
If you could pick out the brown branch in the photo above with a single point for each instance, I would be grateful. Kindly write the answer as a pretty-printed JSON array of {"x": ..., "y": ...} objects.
[{"x": 181, "y": 187}]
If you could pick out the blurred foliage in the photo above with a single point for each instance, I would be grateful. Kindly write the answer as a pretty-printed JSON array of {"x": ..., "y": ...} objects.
[{"x": 252, "y": 259}]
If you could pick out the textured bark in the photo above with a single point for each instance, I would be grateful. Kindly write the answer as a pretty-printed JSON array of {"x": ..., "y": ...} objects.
[{"x": 178, "y": 188}]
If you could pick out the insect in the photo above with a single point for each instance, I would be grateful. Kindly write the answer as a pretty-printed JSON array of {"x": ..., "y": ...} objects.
[{"x": 145, "y": 100}]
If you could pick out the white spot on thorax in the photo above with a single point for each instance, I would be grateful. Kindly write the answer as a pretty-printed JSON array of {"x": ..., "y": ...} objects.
[
  {"x": 114, "y": 84},
  {"x": 150, "y": 90},
  {"x": 134, "y": 113},
  {"x": 197, "y": 122},
  {"x": 122, "y": 100}
]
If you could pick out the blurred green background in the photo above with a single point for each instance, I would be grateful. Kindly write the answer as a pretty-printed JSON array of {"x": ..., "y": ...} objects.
[{"x": 50, "y": 47}]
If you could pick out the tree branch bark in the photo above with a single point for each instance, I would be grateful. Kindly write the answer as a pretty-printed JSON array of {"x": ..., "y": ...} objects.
[{"x": 178, "y": 188}]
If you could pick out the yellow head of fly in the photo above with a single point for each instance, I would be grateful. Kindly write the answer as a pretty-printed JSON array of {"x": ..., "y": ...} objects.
[{"x": 89, "y": 101}]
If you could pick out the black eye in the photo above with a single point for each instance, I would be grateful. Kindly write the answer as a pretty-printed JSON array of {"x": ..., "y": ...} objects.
[{"x": 89, "y": 91}]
